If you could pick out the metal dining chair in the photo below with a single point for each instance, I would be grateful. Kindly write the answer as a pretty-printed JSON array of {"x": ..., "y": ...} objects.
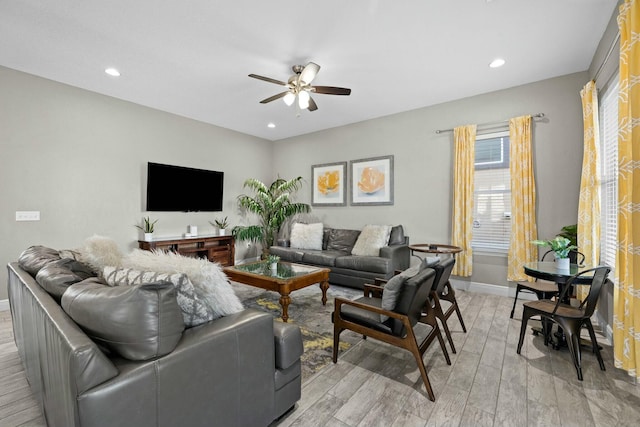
[
  {"x": 571, "y": 319},
  {"x": 543, "y": 289}
]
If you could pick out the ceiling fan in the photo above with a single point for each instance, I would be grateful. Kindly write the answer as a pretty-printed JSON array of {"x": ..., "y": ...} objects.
[{"x": 299, "y": 86}]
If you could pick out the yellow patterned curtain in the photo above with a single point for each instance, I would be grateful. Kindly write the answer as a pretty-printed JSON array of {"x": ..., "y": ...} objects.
[
  {"x": 626, "y": 297},
  {"x": 589, "y": 204},
  {"x": 523, "y": 199},
  {"x": 464, "y": 139}
]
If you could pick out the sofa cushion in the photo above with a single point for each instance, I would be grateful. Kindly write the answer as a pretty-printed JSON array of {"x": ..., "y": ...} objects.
[
  {"x": 372, "y": 264},
  {"x": 138, "y": 322},
  {"x": 324, "y": 258},
  {"x": 306, "y": 236},
  {"x": 326, "y": 232},
  {"x": 371, "y": 239},
  {"x": 34, "y": 258},
  {"x": 396, "y": 236},
  {"x": 195, "y": 310},
  {"x": 342, "y": 239},
  {"x": 57, "y": 276}
]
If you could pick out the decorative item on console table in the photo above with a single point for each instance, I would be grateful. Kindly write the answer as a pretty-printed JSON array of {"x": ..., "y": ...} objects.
[
  {"x": 220, "y": 249},
  {"x": 147, "y": 228},
  {"x": 221, "y": 224},
  {"x": 273, "y": 205}
]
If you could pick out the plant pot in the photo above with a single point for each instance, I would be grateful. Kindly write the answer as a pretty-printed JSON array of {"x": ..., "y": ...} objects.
[
  {"x": 222, "y": 231},
  {"x": 562, "y": 263},
  {"x": 274, "y": 268},
  {"x": 148, "y": 237}
]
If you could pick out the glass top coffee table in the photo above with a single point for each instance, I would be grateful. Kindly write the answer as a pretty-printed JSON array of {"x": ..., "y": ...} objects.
[{"x": 287, "y": 278}]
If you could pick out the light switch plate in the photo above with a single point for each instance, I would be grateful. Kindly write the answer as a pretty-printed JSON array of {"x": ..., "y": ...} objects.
[{"x": 27, "y": 215}]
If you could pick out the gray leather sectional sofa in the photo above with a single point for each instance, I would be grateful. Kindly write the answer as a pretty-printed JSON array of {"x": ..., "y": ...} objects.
[
  {"x": 347, "y": 269},
  {"x": 238, "y": 370}
]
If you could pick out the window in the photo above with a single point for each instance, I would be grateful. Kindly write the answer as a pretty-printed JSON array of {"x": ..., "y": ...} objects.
[
  {"x": 492, "y": 194},
  {"x": 608, "y": 116}
]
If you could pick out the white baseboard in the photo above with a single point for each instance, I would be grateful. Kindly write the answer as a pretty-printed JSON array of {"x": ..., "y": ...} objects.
[{"x": 4, "y": 305}]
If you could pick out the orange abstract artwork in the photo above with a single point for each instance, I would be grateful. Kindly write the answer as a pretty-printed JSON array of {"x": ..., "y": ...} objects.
[
  {"x": 371, "y": 180},
  {"x": 329, "y": 182}
]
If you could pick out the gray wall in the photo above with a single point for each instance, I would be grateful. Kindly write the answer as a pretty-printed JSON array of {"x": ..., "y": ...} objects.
[
  {"x": 80, "y": 159},
  {"x": 423, "y": 161}
]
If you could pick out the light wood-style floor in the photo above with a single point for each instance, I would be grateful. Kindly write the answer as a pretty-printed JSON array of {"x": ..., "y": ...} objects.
[{"x": 374, "y": 384}]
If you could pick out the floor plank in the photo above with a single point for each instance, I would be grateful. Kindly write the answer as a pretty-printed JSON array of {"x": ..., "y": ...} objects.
[{"x": 375, "y": 384}]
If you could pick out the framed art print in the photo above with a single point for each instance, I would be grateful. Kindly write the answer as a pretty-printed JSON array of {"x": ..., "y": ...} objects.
[
  {"x": 329, "y": 184},
  {"x": 372, "y": 181}
]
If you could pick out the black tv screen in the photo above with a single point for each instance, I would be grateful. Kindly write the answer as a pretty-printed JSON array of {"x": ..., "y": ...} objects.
[{"x": 180, "y": 189}]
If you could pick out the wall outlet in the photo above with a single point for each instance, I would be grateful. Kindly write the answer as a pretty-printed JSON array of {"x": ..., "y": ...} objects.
[{"x": 27, "y": 215}]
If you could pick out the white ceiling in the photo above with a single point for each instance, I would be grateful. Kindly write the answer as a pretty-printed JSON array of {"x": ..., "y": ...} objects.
[{"x": 192, "y": 58}]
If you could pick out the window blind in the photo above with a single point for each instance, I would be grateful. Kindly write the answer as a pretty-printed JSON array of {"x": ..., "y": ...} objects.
[
  {"x": 492, "y": 193},
  {"x": 608, "y": 113}
]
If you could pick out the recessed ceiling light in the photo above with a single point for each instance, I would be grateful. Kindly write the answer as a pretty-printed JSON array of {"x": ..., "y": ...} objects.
[
  {"x": 112, "y": 72},
  {"x": 498, "y": 62},
  {"x": 271, "y": 125}
]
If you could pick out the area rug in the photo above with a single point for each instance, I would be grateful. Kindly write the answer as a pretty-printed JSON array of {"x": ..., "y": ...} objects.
[{"x": 307, "y": 312}]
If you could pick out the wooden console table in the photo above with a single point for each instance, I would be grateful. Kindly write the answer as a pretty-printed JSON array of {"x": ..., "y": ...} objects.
[{"x": 220, "y": 249}]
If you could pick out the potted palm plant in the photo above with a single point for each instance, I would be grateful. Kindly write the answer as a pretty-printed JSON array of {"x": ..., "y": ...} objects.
[
  {"x": 561, "y": 246},
  {"x": 273, "y": 205},
  {"x": 147, "y": 228}
]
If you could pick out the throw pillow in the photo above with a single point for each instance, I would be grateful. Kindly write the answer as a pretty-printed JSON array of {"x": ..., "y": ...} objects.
[
  {"x": 306, "y": 236},
  {"x": 428, "y": 262},
  {"x": 342, "y": 240},
  {"x": 99, "y": 252},
  {"x": 207, "y": 277},
  {"x": 195, "y": 311},
  {"x": 371, "y": 240},
  {"x": 138, "y": 322},
  {"x": 391, "y": 293}
]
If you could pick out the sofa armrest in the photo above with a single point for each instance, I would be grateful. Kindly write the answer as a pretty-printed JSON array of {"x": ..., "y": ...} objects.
[
  {"x": 399, "y": 255},
  {"x": 288, "y": 342}
]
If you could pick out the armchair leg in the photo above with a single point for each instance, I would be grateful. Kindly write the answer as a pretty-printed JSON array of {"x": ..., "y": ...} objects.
[
  {"x": 336, "y": 340},
  {"x": 413, "y": 348},
  {"x": 443, "y": 320}
]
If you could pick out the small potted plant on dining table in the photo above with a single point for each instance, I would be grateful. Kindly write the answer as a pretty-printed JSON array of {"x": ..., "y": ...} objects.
[{"x": 561, "y": 246}]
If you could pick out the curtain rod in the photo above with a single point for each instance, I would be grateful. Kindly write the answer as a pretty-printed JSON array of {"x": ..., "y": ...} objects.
[
  {"x": 606, "y": 58},
  {"x": 533, "y": 116}
]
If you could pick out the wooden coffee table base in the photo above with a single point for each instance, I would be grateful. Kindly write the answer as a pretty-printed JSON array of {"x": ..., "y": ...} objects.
[{"x": 284, "y": 286}]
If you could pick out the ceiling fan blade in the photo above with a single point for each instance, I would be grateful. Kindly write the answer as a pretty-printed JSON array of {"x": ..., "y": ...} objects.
[
  {"x": 331, "y": 90},
  {"x": 268, "y": 79},
  {"x": 309, "y": 73},
  {"x": 312, "y": 105},
  {"x": 274, "y": 97}
]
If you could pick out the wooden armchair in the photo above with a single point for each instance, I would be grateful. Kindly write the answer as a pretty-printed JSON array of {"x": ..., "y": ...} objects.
[{"x": 369, "y": 317}]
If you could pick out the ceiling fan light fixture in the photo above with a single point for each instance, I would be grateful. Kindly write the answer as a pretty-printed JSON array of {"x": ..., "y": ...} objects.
[
  {"x": 289, "y": 98},
  {"x": 303, "y": 99}
]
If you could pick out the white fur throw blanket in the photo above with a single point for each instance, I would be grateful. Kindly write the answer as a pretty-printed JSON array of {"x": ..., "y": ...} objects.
[
  {"x": 208, "y": 278},
  {"x": 205, "y": 276}
]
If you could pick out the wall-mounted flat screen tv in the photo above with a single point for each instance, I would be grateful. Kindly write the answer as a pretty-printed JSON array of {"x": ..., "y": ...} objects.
[{"x": 181, "y": 189}]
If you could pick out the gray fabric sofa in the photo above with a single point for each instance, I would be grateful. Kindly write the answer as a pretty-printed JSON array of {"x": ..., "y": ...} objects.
[
  {"x": 238, "y": 370},
  {"x": 346, "y": 269}
]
